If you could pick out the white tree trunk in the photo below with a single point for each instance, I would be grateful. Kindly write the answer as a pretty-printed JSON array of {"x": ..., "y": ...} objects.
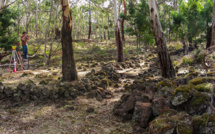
[
  {"x": 167, "y": 69},
  {"x": 47, "y": 32},
  {"x": 2, "y": 3},
  {"x": 89, "y": 21},
  {"x": 52, "y": 39},
  {"x": 36, "y": 18}
]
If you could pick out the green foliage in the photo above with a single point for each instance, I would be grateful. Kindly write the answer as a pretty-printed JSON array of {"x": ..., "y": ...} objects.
[
  {"x": 192, "y": 20},
  {"x": 187, "y": 60},
  {"x": 7, "y": 41},
  {"x": 199, "y": 55},
  {"x": 140, "y": 22},
  {"x": 95, "y": 48},
  {"x": 7, "y": 19}
]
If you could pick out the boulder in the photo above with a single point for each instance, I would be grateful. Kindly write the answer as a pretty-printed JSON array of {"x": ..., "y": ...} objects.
[
  {"x": 182, "y": 94},
  {"x": 125, "y": 107},
  {"x": 198, "y": 104},
  {"x": 8, "y": 91},
  {"x": 142, "y": 113},
  {"x": 205, "y": 87},
  {"x": 171, "y": 121},
  {"x": 200, "y": 80},
  {"x": 204, "y": 124},
  {"x": 159, "y": 104},
  {"x": 165, "y": 92},
  {"x": 21, "y": 87}
]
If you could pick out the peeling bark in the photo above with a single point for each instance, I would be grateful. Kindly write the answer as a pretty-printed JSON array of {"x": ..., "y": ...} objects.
[
  {"x": 68, "y": 62},
  {"x": 117, "y": 35},
  {"x": 167, "y": 68}
]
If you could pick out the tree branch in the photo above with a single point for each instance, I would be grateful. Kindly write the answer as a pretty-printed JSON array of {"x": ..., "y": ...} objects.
[{"x": 6, "y": 6}]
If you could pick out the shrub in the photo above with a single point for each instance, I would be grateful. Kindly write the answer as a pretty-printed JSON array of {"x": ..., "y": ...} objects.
[{"x": 187, "y": 60}]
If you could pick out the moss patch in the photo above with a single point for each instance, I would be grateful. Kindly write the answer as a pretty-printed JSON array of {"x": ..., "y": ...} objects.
[
  {"x": 187, "y": 60},
  {"x": 184, "y": 128},
  {"x": 200, "y": 80},
  {"x": 204, "y": 87},
  {"x": 165, "y": 83},
  {"x": 168, "y": 121},
  {"x": 198, "y": 103},
  {"x": 201, "y": 119}
]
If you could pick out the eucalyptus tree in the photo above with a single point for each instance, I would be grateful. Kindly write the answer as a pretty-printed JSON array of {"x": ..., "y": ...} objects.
[
  {"x": 117, "y": 35},
  {"x": 89, "y": 21},
  {"x": 122, "y": 21},
  {"x": 166, "y": 66},
  {"x": 68, "y": 62},
  {"x": 47, "y": 32},
  {"x": 54, "y": 28}
]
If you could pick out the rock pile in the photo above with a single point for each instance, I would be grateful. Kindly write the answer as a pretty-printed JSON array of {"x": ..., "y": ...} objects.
[{"x": 169, "y": 108}]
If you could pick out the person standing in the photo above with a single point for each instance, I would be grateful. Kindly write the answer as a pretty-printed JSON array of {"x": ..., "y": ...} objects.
[{"x": 24, "y": 39}]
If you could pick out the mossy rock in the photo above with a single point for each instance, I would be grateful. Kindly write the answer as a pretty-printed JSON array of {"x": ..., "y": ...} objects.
[
  {"x": 27, "y": 74},
  {"x": 184, "y": 128},
  {"x": 43, "y": 82},
  {"x": 204, "y": 124},
  {"x": 205, "y": 87},
  {"x": 166, "y": 92},
  {"x": 182, "y": 94},
  {"x": 168, "y": 123},
  {"x": 104, "y": 83},
  {"x": 194, "y": 74},
  {"x": 165, "y": 83},
  {"x": 101, "y": 73},
  {"x": 211, "y": 73},
  {"x": 187, "y": 60},
  {"x": 41, "y": 76},
  {"x": 200, "y": 80},
  {"x": 198, "y": 104},
  {"x": 138, "y": 81}
]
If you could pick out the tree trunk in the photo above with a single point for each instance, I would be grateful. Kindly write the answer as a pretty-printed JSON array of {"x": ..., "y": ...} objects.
[
  {"x": 18, "y": 20},
  {"x": 27, "y": 22},
  {"x": 167, "y": 69},
  {"x": 95, "y": 30},
  {"x": 68, "y": 62},
  {"x": 2, "y": 4},
  {"x": 52, "y": 39},
  {"x": 89, "y": 21},
  {"x": 100, "y": 31},
  {"x": 103, "y": 27},
  {"x": 47, "y": 32},
  {"x": 108, "y": 32},
  {"x": 213, "y": 26},
  {"x": 209, "y": 35},
  {"x": 122, "y": 22},
  {"x": 36, "y": 18},
  {"x": 117, "y": 35},
  {"x": 175, "y": 4}
]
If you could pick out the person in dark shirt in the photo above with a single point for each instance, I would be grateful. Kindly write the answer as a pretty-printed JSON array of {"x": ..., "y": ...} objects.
[{"x": 24, "y": 39}]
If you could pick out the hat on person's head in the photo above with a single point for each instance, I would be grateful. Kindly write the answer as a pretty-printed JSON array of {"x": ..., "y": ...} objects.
[{"x": 23, "y": 32}]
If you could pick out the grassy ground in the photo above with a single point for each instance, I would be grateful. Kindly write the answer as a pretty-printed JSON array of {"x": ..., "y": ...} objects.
[{"x": 69, "y": 116}]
